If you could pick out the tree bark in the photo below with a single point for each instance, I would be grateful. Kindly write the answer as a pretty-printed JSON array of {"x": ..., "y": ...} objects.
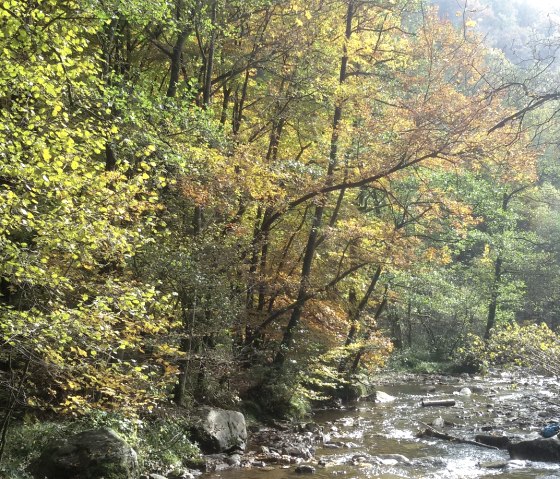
[{"x": 176, "y": 56}]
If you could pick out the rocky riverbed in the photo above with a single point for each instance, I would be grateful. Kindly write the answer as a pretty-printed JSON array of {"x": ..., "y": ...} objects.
[
  {"x": 389, "y": 438},
  {"x": 413, "y": 427}
]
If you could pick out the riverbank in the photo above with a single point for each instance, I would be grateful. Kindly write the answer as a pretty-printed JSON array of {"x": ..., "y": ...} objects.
[{"x": 360, "y": 438}]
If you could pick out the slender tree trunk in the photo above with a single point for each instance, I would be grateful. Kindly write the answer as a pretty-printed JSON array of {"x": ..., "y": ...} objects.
[
  {"x": 493, "y": 306},
  {"x": 409, "y": 324},
  {"x": 303, "y": 287},
  {"x": 262, "y": 228},
  {"x": 263, "y": 265},
  {"x": 361, "y": 352},
  {"x": 225, "y": 104},
  {"x": 207, "y": 90},
  {"x": 317, "y": 222},
  {"x": 356, "y": 311},
  {"x": 176, "y": 56},
  {"x": 239, "y": 105},
  {"x": 254, "y": 259}
]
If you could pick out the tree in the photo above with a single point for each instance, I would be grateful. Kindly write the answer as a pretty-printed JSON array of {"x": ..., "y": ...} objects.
[{"x": 70, "y": 307}]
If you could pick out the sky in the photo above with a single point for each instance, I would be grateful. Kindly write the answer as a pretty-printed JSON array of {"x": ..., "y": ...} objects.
[{"x": 545, "y": 5}]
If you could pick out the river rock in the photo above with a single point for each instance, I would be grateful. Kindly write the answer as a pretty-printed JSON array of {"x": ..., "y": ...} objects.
[
  {"x": 547, "y": 450},
  {"x": 94, "y": 454},
  {"x": 216, "y": 463},
  {"x": 298, "y": 450},
  {"x": 501, "y": 442},
  {"x": 494, "y": 465},
  {"x": 382, "y": 397},
  {"x": 305, "y": 469},
  {"x": 398, "y": 458},
  {"x": 385, "y": 461},
  {"x": 438, "y": 422},
  {"x": 234, "y": 460},
  {"x": 333, "y": 445},
  {"x": 219, "y": 430},
  {"x": 183, "y": 474}
]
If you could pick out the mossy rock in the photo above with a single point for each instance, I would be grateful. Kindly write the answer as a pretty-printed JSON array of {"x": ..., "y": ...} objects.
[
  {"x": 94, "y": 454},
  {"x": 351, "y": 392}
]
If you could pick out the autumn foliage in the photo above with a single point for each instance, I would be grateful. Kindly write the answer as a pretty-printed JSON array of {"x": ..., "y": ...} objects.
[{"x": 193, "y": 189}]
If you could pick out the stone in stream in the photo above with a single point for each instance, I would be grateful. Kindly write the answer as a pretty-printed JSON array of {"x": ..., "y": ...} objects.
[
  {"x": 438, "y": 422},
  {"x": 305, "y": 469},
  {"x": 216, "y": 462},
  {"x": 234, "y": 460},
  {"x": 219, "y": 430},
  {"x": 493, "y": 465},
  {"x": 382, "y": 397},
  {"x": 301, "y": 451},
  {"x": 546, "y": 450},
  {"x": 94, "y": 454},
  {"x": 385, "y": 462},
  {"x": 438, "y": 402},
  {"x": 501, "y": 442},
  {"x": 397, "y": 458},
  {"x": 333, "y": 445}
]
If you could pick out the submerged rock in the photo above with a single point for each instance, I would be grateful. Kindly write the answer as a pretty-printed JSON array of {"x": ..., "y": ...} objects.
[
  {"x": 547, "y": 450},
  {"x": 94, "y": 454}
]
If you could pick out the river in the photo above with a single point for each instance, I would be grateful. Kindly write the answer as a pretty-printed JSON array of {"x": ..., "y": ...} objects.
[{"x": 362, "y": 437}]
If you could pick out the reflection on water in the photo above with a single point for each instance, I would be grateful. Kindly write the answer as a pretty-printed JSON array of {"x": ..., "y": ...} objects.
[{"x": 371, "y": 432}]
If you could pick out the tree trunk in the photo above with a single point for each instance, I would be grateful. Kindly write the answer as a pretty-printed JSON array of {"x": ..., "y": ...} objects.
[
  {"x": 317, "y": 222},
  {"x": 207, "y": 90},
  {"x": 355, "y": 313},
  {"x": 493, "y": 306},
  {"x": 176, "y": 62},
  {"x": 362, "y": 350}
]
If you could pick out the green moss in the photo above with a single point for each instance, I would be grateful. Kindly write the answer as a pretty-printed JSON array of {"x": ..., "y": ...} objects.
[{"x": 160, "y": 443}]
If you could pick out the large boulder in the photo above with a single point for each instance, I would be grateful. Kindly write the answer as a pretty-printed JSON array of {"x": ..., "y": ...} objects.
[
  {"x": 547, "y": 450},
  {"x": 94, "y": 454},
  {"x": 219, "y": 430}
]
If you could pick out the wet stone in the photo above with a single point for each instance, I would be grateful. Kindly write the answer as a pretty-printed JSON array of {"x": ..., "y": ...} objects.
[
  {"x": 501, "y": 442},
  {"x": 547, "y": 450},
  {"x": 305, "y": 469},
  {"x": 494, "y": 465},
  {"x": 438, "y": 422},
  {"x": 398, "y": 458}
]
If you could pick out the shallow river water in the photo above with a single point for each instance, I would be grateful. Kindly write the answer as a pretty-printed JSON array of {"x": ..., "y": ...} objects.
[{"x": 514, "y": 405}]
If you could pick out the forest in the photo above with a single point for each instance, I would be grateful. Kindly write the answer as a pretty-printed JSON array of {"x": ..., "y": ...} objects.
[{"x": 257, "y": 203}]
